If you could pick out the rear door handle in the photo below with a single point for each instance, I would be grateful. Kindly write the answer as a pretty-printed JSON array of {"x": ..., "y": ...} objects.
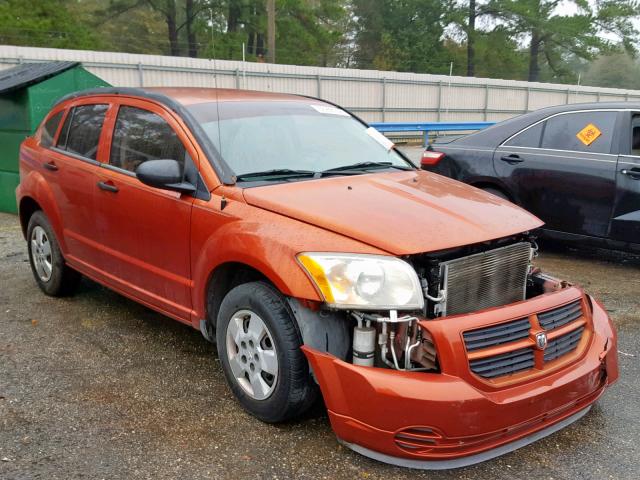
[
  {"x": 108, "y": 186},
  {"x": 512, "y": 159},
  {"x": 634, "y": 173},
  {"x": 50, "y": 166}
]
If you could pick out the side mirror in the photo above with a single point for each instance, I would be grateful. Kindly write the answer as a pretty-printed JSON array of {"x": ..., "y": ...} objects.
[{"x": 163, "y": 174}]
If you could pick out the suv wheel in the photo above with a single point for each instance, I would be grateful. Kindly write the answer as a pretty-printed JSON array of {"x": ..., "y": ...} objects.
[
  {"x": 259, "y": 349},
  {"x": 49, "y": 269}
]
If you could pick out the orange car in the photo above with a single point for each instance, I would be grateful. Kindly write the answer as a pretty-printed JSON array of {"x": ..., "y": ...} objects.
[{"x": 318, "y": 259}]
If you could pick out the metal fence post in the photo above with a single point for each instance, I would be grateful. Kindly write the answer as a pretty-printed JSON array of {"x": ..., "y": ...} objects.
[
  {"x": 526, "y": 105},
  {"x": 319, "y": 86},
  {"x": 140, "y": 75},
  {"x": 237, "y": 78},
  {"x": 439, "y": 99},
  {"x": 383, "y": 109},
  {"x": 568, "y": 95},
  {"x": 486, "y": 101}
]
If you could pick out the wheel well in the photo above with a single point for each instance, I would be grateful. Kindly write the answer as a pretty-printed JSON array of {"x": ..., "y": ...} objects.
[
  {"x": 493, "y": 186},
  {"x": 222, "y": 280},
  {"x": 28, "y": 206}
]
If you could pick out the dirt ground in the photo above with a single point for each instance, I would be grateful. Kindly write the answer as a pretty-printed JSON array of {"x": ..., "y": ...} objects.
[{"x": 95, "y": 386}]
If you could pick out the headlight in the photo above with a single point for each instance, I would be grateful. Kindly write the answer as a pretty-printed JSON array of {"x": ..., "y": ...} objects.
[{"x": 364, "y": 282}]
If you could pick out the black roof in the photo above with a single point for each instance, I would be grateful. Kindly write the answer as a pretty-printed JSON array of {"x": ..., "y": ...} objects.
[
  {"x": 501, "y": 131},
  {"x": 31, "y": 73}
]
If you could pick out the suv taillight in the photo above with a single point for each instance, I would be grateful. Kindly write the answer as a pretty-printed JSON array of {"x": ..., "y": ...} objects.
[{"x": 431, "y": 158}]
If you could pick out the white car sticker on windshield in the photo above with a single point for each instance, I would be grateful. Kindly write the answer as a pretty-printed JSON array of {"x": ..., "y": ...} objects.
[
  {"x": 380, "y": 138},
  {"x": 329, "y": 110}
]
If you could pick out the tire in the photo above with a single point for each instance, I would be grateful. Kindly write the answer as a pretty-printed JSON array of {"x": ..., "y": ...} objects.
[
  {"x": 497, "y": 193},
  {"x": 273, "y": 382},
  {"x": 54, "y": 277}
]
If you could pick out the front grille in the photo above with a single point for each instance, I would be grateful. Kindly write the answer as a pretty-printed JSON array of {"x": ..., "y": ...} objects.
[
  {"x": 563, "y": 345},
  {"x": 497, "y": 335},
  {"x": 504, "y": 364},
  {"x": 558, "y": 317},
  {"x": 488, "y": 279},
  {"x": 523, "y": 358}
]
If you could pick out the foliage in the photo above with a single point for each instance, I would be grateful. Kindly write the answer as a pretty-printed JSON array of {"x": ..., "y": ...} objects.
[
  {"x": 540, "y": 40},
  {"x": 43, "y": 23},
  {"x": 551, "y": 36},
  {"x": 401, "y": 35}
]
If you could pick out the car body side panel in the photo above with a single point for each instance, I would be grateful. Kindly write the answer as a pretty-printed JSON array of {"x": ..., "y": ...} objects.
[
  {"x": 34, "y": 185},
  {"x": 472, "y": 165},
  {"x": 625, "y": 222},
  {"x": 144, "y": 231}
]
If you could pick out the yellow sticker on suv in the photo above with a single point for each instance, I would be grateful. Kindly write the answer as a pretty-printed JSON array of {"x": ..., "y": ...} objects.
[{"x": 589, "y": 134}]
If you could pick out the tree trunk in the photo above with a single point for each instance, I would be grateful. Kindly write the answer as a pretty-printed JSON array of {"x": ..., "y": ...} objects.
[
  {"x": 534, "y": 53},
  {"x": 172, "y": 27},
  {"x": 233, "y": 15},
  {"x": 191, "y": 35},
  {"x": 471, "y": 40},
  {"x": 271, "y": 31}
]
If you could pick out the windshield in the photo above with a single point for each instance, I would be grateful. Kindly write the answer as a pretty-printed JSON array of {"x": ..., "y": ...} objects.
[{"x": 292, "y": 138}]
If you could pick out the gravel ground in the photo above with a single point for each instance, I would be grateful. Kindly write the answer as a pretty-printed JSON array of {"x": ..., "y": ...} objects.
[{"x": 96, "y": 386}]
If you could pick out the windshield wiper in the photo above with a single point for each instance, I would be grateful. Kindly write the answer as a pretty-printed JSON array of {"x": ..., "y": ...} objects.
[
  {"x": 362, "y": 166},
  {"x": 277, "y": 173}
]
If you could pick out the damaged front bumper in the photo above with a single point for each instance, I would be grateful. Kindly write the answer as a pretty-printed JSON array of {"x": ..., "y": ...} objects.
[{"x": 455, "y": 418}]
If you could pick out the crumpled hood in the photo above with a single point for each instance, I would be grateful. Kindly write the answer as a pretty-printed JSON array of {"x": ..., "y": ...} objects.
[{"x": 399, "y": 212}]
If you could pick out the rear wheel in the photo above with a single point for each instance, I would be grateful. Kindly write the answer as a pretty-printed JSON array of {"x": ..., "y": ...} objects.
[
  {"x": 52, "y": 274},
  {"x": 259, "y": 349}
]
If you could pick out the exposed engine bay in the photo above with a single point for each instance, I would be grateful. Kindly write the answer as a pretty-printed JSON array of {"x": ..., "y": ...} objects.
[{"x": 454, "y": 282}]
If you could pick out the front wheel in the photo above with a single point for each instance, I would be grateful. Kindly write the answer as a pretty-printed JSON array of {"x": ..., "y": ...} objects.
[{"x": 259, "y": 349}]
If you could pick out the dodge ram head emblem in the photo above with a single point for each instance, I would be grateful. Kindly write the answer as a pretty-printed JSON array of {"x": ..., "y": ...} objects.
[{"x": 541, "y": 340}]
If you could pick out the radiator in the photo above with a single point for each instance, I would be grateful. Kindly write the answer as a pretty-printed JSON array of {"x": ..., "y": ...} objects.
[{"x": 488, "y": 279}]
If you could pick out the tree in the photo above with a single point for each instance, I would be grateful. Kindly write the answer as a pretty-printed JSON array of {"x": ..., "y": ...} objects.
[
  {"x": 44, "y": 23},
  {"x": 618, "y": 70},
  {"x": 402, "y": 35},
  {"x": 551, "y": 35}
]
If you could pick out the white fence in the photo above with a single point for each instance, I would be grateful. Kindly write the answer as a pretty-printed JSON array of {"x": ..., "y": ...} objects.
[{"x": 376, "y": 96}]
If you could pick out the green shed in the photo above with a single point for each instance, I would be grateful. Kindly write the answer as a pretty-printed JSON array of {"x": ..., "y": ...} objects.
[{"x": 27, "y": 93}]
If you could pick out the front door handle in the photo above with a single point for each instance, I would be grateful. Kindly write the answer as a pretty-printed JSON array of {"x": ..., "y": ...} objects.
[
  {"x": 512, "y": 159},
  {"x": 50, "y": 166},
  {"x": 634, "y": 173},
  {"x": 108, "y": 186}
]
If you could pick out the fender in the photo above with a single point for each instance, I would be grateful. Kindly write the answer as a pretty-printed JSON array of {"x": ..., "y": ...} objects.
[
  {"x": 492, "y": 182},
  {"x": 33, "y": 185},
  {"x": 268, "y": 243}
]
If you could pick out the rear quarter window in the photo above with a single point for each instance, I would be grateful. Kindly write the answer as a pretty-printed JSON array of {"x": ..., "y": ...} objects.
[
  {"x": 81, "y": 130},
  {"x": 563, "y": 132},
  {"x": 49, "y": 129},
  {"x": 527, "y": 138}
]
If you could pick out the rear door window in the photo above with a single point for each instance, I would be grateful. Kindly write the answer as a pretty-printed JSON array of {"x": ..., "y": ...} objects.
[
  {"x": 140, "y": 135},
  {"x": 580, "y": 132},
  {"x": 527, "y": 138},
  {"x": 49, "y": 129},
  {"x": 81, "y": 130}
]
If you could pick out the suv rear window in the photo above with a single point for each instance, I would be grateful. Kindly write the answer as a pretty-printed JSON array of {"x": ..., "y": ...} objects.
[
  {"x": 562, "y": 132},
  {"x": 81, "y": 130},
  {"x": 49, "y": 129}
]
